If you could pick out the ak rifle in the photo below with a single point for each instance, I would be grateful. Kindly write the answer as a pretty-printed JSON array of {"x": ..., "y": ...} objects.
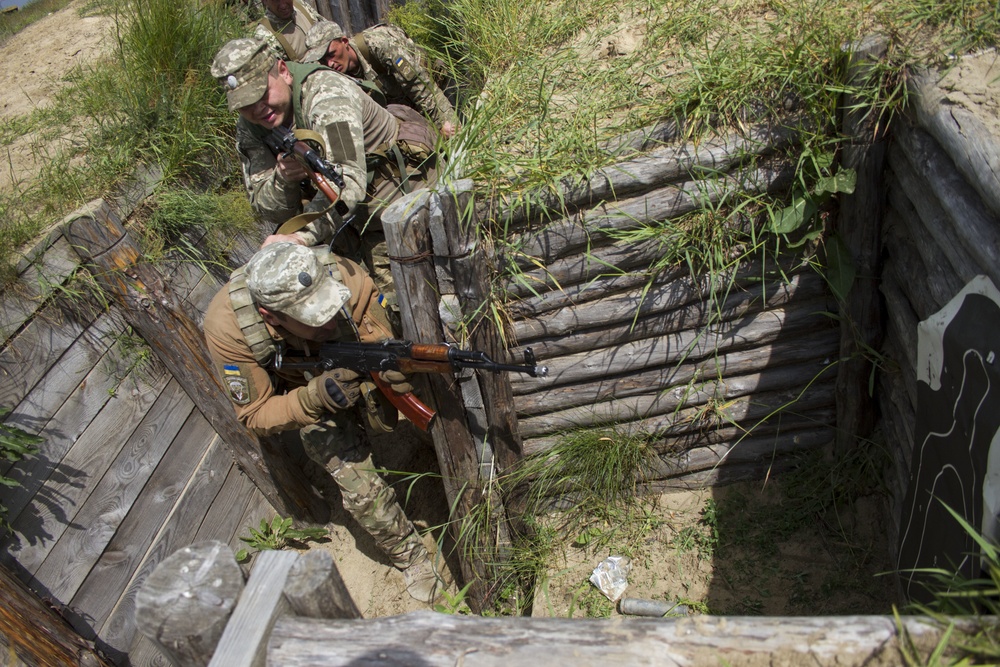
[{"x": 409, "y": 358}]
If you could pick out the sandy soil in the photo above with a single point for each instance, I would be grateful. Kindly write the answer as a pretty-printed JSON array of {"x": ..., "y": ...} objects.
[{"x": 39, "y": 58}]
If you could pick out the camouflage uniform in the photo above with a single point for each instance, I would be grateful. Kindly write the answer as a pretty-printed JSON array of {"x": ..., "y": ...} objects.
[
  {"x": 287, "y": 37},
  {"x": 354, "y": 129},
  {"x": 312, "y": 286},
  {"x": 391, "y": 61}
]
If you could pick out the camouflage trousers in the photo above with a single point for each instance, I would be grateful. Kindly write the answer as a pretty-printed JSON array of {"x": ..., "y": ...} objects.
[{"x": 335, "y": 444}]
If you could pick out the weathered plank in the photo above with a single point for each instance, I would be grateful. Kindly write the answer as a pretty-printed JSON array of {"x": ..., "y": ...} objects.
[
  {"x": 179, "y": 530},
  {"x": 153, "y": 310},
  {"x": 84, "y": 540},
  {"x": 117, "y": 565},
  {"x": 244, "y": 641},
  {"x": 37, "y": 281},
  {"x": 230, "y": 511},
  {"x": 35, "y": 350},
  {"x": 902, "y": 320},
  {"x": 66, "y": 471},
  {"x": 60, "y": 417},
  {"x": 184, "y": 605},
  {"x": 431, "y": 639}
]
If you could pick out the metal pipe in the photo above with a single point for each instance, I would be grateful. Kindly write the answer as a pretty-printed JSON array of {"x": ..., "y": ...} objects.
[{"x": 656, "y": 608}]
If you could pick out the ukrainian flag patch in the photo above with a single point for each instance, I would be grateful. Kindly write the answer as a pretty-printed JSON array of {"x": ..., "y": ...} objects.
[{"x": 236, "y": 385}]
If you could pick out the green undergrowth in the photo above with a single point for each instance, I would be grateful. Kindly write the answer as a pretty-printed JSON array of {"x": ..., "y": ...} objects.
[{"x": 150, "y": 102}]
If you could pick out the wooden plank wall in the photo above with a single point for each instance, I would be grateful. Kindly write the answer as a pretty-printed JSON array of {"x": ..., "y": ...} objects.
[
  {"x": 941, "y": 231},
  {"x": 689, "y": 361},
  {"x": 354, "y": 15},
  {"x": 129, "y": 472}
]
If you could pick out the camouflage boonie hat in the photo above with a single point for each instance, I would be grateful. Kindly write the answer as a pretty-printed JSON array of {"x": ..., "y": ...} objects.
[
  {"x": 318, "y": 40},
  {"x": 291, "y": 279},
  {"x": 242, "y": 66}
]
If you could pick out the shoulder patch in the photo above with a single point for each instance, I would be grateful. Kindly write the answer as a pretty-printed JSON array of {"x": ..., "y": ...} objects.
[{"x": 236, "y": 384}]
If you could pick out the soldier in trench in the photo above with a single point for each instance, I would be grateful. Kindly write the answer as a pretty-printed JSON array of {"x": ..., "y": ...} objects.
[{"x": 286, "y": 301}]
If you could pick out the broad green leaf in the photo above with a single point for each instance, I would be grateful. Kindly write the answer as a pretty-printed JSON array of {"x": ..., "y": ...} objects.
[
  {"x": 792, "y": 217},
  {"x": 843, "y": 181}
]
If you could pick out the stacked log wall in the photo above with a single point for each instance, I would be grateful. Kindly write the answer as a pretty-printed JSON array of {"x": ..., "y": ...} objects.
[
  {"x": 727, "y": 373},
  {"x": 942, "y": 229}
]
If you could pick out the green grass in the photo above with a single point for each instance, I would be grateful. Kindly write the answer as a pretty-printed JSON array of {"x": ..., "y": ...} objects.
[{"x": 151, "y": 102}]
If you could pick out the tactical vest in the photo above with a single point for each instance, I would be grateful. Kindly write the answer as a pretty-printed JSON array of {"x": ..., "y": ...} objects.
[
  {"x": 285, "y": 44},
  {"x": 262, "y": 345}
]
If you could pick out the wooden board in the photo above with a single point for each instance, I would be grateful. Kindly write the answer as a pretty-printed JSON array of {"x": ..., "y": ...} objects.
[
  {"x": 178, "y": 531},
  {"x": 65, "y": 472},
  {"x": 99, "y": 517},
  {"x": 145, "y": 519}
]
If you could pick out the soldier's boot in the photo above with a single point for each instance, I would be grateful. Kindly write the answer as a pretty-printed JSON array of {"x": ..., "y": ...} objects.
[{"x": 423, "y": 581}]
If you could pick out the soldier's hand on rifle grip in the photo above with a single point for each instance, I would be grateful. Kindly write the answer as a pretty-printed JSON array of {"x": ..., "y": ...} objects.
[
  {"x": 290, "y": 169},
  {"x": 397, "y": 381},
  {"x": 335, "y": 390}
]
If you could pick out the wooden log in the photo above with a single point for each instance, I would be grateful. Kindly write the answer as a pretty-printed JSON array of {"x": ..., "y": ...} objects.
[
  {"x": 902, "y": 320},
  {"x": 722, "y": 475},
  {"x": 244, "y": 641},
  {"x": 543, "y": 284},
  {"x": 184, "y": 605},
  {"x": 431, "y": 639},
  {"x": 713, "y": 309},
  {"x": 933, "y": 219},
  {"x": 469, "y": 264},
  {"x": 923, "y": 263},
  {"x": 712, "y": 155},
  {"x": 673, "y": 348},
  {"x": 152, "y": 309},
  {"x": 649, "y": 405},
  {"x": 858, "y": 224},
  {"x": 973, "y": 224},
  {"x": 780, "y": 347},
  {"x": 32, "y": 633},
  {"x": 747, "y": 412},
  {"x": 669, "y": 447},
  {"x": 751, "y": 449},
  {"x": 412, "y": 264},
  {"x": 593, "y": 228},
  {"x": 970, "y": 143},
  {"x": 910, "y": 274},
  {"x": 315, "y": 589},
  {"x": 652, "y": 297}
]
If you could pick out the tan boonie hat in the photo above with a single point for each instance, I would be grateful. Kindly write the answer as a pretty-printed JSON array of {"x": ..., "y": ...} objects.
[
  {"x": 242, "y": 66},
  {"x": 318, "y": 40},
  {"x": 291, "y": 279}
]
